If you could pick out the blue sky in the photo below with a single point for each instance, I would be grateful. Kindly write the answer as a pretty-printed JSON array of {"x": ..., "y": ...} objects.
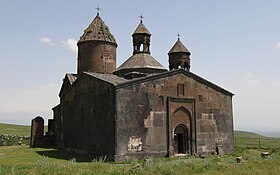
[{"x": 235, "y": 44}]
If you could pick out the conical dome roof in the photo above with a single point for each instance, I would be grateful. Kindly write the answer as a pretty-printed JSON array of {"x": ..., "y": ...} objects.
[
  {"x": 140, "y": 64},
  {"x": 178, "y": 47},
  {"x": 97, "y": 31},
  {"x": 141, "y": 29},
  {"x": 141, "y": 61}
]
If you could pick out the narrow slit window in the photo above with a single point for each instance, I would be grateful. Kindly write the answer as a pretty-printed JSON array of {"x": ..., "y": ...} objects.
[
  {"x": 200, "y": 98},
  {"x": 180, "y": 90},
  {"x": 161, "y": 101}
]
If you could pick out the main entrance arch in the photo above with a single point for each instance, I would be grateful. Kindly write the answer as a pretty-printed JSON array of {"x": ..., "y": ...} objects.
[
  {"x": 181, "y": 124},
  {"x": 182, "y": 130},
  {"x": 181, "y": 140}
]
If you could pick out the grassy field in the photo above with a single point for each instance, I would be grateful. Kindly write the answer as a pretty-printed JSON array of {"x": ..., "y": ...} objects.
[
  {"x": 14, "y": 129},
  {"x": 253, "y": 140},
  {"x": 246, "y": 134},
  {"x": 14, "y": 134},
  {"x": 23, "y": 160},
  {"x": 20, "y": 130}
]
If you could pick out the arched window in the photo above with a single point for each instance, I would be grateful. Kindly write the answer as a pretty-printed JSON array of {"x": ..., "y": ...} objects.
[
  {"x": 200, "y": 98},
  {"x": 160, "y": 101},
  {"x": 180, "y": 90},
  {"x": 141, "y": 48}
]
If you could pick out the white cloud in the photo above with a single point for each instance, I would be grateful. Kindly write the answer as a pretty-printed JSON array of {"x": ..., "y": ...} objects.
[
  {"x": 70, "y": 44},
  {"x": 46, "y": 40},
  {"x": 277, "y": 45},
  {"x": 249, "y": 78}
]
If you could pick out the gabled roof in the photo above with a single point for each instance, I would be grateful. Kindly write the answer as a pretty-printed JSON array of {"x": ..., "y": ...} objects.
[
  {"x": 71, "y": 78},
  {"x": 174, "y": 72},
  {"x": 67, "y": 82},
  {"x": 97, "y": 31},
  {"x": 140, "y": 61},
  {"x": 141, "y": 29},
  {"x": 120, "y": 82},
  {"x": 178, "y": 47},
  {"x": 109, "y": 78}
]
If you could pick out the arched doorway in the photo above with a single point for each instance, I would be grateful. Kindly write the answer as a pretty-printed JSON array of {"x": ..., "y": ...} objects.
[
  {"x": 181, "y": 114},
  {"x": 181, "y": 140}
]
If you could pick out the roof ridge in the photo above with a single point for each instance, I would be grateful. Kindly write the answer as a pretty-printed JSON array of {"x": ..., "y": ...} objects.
[{"x": 109, "y": 78}]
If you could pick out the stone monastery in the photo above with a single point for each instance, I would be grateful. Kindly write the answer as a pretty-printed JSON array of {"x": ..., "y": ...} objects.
[{"x": 139, "y": 109}]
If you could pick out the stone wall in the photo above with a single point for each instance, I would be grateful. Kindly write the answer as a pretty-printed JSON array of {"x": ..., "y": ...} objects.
[
  {"x": 140, "y": 123},
  {"x": 57, "y": 125},
  {"x": 38, "y": 139},
  {"x": 145, "y": 117},
  {"x": 97, "y": 56},
  {"x": 88, "y": 117}
]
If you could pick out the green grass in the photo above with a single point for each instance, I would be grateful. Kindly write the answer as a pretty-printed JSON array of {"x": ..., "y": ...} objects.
[
  {"x": 15, "y": 129},
  {"x": 14, "y": 134},
  {"x": 23, "y": 160},
  {"x": 253, "y": 140},
  {"x": 246, "y": 134},
  {"x": 20, "y": 130}
]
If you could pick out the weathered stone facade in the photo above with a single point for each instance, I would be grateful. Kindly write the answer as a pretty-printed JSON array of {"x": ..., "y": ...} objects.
[
  {"x": 154, "y": 107},
  {"x": 140, "y": 109}
]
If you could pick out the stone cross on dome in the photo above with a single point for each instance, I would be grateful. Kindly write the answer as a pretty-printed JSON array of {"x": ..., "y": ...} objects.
[
  {"x": 141, "y": 18},
  {"x": 178, "y": 36},
  {"x": 98, "y": 10}
]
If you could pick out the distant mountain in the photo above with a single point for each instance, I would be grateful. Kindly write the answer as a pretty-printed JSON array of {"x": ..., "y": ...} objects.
[
  {"x": 247, "y": 134},
  {"x": 257, "y": 134}
]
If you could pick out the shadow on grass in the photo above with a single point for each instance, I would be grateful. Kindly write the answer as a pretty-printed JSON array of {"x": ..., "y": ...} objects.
[{"x": 64, "y": 155}]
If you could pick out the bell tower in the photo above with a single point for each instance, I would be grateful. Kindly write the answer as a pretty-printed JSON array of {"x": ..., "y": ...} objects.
[
  {"x": 141, "y": 39},
  {"x": 179, "y": 56},
  {"x": 97, "y": 48},
  {"x": 141, "y": 63}
]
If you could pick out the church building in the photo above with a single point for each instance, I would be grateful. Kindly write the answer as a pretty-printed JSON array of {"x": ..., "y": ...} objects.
[{"x": 139, "y": 109}]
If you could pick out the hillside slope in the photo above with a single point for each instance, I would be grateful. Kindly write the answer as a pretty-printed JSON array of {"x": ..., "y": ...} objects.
[
  {"x": 247, "y": 134},
  {"x": 14, "y": 129}
]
